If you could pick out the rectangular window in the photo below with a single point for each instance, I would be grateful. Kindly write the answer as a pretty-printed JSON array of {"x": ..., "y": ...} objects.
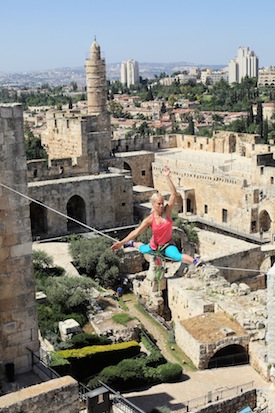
[
  {"x": 224, "y": 215},
  {"x": 262, "y": 170},
  {"x": 143, "y": 173},
  {"x": 272, "y": 180},
  {"x": 206, "y": 209}
]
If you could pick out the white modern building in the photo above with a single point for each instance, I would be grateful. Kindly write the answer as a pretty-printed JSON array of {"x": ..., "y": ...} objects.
[
  {"x": 129, "y": 72},
  {"x": 246, "y": 63},
  {"x": 213, "y": 77}
]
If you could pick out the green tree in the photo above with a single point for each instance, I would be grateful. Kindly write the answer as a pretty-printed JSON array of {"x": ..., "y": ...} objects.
[
  {"x": 149, "y": 95},
  {"x": 259, "y": 115},
  {"x": 73, "y": 85},
  {"x": 190, "y": 130},
  {"x": 94, "y": 258},
  {"x": 70, "y": 105},
  {"x": 41, "y": 259}
]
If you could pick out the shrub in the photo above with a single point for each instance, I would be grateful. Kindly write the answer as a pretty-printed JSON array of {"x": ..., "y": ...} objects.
[
  {"x": 84, "y": 339},
  {"x": 59, "y": 364},
  {"x": 135, "y": 373},
  {"x": 169, "y": 372}
]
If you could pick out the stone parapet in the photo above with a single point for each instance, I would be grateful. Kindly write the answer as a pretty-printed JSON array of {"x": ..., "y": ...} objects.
[{"x": 58, "y": 395}]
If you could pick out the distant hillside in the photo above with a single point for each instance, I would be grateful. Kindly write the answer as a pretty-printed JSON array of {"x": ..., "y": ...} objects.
[{"x": 65, "y": 75}]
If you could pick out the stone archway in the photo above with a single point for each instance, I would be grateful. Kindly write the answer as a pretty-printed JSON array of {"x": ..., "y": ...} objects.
[
  {"x": 76, "y": 209},
  {"x": 231, "y": 355},
  {"x": 38, "y": 215},
  {"x": 264, "y": 220}
]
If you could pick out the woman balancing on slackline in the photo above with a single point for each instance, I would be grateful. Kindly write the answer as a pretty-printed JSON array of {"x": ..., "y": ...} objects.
[{"x": 160, "y": 221}]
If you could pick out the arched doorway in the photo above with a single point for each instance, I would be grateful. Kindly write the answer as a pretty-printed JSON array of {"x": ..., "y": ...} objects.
[
  {"x": 127, "y": 167},
  {"x": 38, "y": 215},
  {"x": 231, "y": 355},
  {"x": 76, "y": 209},
  {"x": 190, "y": 205},
  {"x": 264, "y": 220}
]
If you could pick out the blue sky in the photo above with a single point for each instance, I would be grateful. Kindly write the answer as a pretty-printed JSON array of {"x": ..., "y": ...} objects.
[{"x": 49, "y": 34}]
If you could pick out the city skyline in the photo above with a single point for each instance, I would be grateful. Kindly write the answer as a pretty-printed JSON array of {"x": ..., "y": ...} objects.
[{"x": 41, "y": 36}]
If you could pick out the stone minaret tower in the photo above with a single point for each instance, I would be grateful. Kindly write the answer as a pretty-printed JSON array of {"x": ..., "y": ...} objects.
[
  {"x": 98, "y": 120},
  {"x": 18, "y": 317},
  {"x": 96, "y": 81}
]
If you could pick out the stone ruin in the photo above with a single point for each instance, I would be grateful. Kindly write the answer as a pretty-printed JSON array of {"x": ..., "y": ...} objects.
[
  {"x": 101, "y": 319},
  {"x": 203, "y": 295}
]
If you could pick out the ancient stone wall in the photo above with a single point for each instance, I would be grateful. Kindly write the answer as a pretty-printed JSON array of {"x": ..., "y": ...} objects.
[
  {"x": 18, "y": 317},
  {"x": 200, "y": 353},
  {"x": 107, "y": 201},
  {"x": 139, "y": 164},
  {"x": 207, "y": 194},
  {"x": 153, "y": 143},
  {"x": 58, "y": 395},
  {"x": 250, "y": 259},
  {"x": 63, "y": 136},
  {"x": 231, "y": 405}
]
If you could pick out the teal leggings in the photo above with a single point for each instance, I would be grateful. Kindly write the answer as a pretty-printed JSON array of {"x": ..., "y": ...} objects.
[{"x": 170, "y": 252}]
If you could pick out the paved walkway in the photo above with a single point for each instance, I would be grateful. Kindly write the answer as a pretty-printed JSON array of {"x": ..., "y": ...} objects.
[{"x": 196, "y": 384}]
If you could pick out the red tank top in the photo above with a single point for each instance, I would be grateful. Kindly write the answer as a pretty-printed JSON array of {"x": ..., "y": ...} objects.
[{"x": 162, "y": 233}]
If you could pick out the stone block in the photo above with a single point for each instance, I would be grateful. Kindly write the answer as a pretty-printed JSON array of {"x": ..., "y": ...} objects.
[
  {"x": 68, "y": 327},
  {"x": 4, "y": 253},
  {"x": 19, "y": 337},
  {"x": 6, "y": 111},
  {"x": 21, "y": 250},
  {"x": 11, "y": 352}
]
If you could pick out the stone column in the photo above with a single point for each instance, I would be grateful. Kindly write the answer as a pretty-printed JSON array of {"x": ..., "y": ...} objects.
[
  {"x": 270, "y": 338},
  {"x": 18, "y": 317}
]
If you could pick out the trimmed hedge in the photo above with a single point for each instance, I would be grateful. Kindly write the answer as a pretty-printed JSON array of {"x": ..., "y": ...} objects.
[
  {"x": 83, "y": 340},
  {"x": 60, "y": 365},
  {"x": 134, "y": 374},
  {"x": 88, "y": 361}
]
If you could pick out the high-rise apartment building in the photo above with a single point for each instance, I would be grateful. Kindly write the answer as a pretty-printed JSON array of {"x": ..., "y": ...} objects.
[
  {"x": 246, "y": 63},
  {"x": 129, "y": 72}
]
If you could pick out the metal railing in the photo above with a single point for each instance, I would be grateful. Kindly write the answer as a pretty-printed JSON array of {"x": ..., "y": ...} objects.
[
  {"x": 43, "y": 367},
  {"x": 214, "y": 396},
  {"x": 119, "y": 401},
  {"x": 115, "y": 397}
]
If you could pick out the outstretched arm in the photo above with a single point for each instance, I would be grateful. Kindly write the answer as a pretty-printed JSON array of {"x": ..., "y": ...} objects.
[
  {"x": 133, "y": 234},
  {"x": 173, "y": 196}
]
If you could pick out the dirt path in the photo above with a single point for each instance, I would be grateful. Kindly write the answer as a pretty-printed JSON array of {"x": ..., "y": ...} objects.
[{"x": 154, "y": 330}]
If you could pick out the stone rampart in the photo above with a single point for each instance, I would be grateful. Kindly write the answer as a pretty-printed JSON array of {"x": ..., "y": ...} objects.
[
  {"x": 18, "y": 316},
  {"x": 58, "y": 395}
]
